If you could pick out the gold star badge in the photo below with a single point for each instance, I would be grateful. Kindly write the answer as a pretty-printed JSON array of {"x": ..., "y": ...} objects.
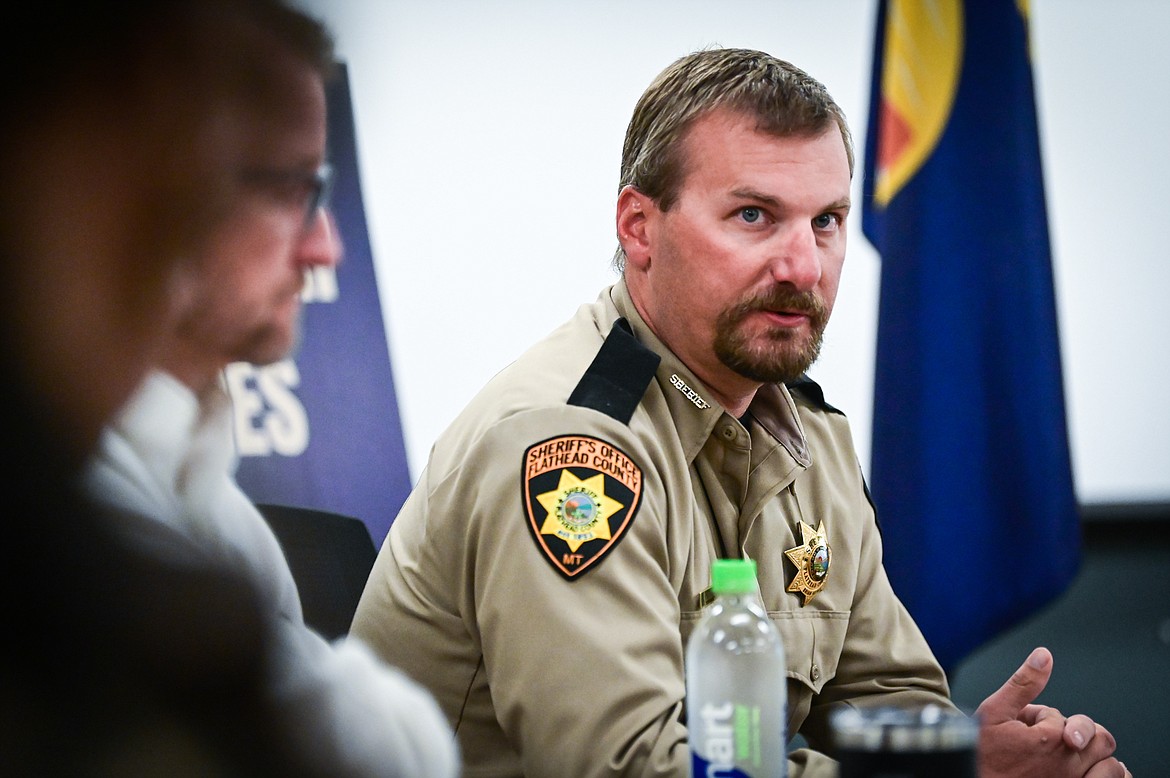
[
  {"x": 812, "y": 559},
  {"x": 578, "y": 510}
]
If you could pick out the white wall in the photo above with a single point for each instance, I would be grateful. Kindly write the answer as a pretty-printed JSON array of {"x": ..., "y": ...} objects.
[{"x": 489, "y": 137}]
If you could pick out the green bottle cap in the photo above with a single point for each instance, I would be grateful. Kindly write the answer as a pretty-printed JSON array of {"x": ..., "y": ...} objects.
[{"x": 733, "y": 576}]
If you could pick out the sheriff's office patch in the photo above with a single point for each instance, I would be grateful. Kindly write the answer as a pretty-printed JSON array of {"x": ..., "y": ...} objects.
[{"x": 581, "y": 495}]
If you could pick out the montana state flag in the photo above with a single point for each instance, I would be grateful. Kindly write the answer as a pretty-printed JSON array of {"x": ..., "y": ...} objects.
[{"x": 970, "y": 473}]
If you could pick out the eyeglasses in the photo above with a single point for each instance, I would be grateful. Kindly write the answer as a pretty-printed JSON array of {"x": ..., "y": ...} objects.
[{"x": 308, "y": 190}]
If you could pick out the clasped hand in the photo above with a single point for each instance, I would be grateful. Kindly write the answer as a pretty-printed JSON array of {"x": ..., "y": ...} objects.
[{"x": 1019, "y": 738}]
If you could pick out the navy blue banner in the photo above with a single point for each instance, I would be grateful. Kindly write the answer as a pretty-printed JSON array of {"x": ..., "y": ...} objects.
[
  {"x": 321, "y": 429},
  {"x": 971, "y": 472}
]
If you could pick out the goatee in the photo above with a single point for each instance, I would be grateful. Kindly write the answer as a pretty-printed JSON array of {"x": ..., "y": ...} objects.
[{"x": 778, "y": 354}]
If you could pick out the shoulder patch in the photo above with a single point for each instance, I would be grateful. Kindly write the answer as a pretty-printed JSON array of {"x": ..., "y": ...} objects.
[
  {"x": 811, "y": 391},
  {"x": 618, "y": 377},
  {"x": 580, "y": 496}
]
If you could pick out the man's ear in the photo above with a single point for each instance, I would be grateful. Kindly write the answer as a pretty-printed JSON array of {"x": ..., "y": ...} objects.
[{"x": 634, "y": 230}]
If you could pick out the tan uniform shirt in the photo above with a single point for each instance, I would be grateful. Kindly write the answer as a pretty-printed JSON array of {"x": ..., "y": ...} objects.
[{"x": 545, "y": 574}]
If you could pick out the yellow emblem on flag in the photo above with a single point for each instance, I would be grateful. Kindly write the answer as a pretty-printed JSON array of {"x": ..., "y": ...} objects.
[{"x": 920, "y": 75}]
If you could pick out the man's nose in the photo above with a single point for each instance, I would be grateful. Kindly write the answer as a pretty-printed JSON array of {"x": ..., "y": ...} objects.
[
  {"x": 797, "y": 260},
  {"x": 321, "y": 246}
]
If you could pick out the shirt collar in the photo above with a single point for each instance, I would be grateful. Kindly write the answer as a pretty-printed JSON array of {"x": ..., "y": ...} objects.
[{"x": 691, "y": 403}]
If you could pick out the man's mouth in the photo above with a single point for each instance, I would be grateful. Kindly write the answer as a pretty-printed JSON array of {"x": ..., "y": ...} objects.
[{"x": 787, "y": 317}]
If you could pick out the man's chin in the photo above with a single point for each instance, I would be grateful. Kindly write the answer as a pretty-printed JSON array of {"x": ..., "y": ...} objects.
[
  {"x": 772, "y": 374},
  {"x": 274, "y": 347},
  {"x": 770, "y": 368}
]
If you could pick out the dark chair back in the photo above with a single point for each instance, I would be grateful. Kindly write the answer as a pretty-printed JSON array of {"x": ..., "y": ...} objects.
[{"x": 330, "y": 556}]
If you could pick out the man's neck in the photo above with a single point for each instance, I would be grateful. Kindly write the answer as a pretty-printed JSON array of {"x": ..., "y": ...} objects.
[
  {"x": 734, "y": 393},
  {"x": 198, "y": 371}
]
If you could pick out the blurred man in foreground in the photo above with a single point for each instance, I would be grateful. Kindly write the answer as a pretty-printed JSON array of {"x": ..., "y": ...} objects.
[
  {"x": 170, "y": 455},
  {"x": 121, "y": 156}
]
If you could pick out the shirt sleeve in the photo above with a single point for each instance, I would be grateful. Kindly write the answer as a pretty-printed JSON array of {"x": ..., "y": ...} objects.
[
  {"x": 355, "y": 715},
  {"x": 585, "y": 668}
]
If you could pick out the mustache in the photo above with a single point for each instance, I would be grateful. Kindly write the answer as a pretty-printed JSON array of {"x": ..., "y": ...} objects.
[{"x": 782, "y": 298}]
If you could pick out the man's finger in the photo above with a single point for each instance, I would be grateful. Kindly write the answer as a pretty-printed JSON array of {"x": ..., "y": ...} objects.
[
  {"x": 1108, "y": 768},
  {"x": 1025, "y": 685},
  {"x": 1100, "y": 746},
  {"x": 1079, "y": 729}
]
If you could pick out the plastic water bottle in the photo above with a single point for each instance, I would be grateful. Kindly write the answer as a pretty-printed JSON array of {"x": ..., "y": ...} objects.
[{"x": 737, "y": 696}]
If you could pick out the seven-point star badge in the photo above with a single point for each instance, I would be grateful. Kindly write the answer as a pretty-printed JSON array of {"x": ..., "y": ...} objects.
[
  {"x": 812, "y": 559},
  {"x": 578, "y": 510}
]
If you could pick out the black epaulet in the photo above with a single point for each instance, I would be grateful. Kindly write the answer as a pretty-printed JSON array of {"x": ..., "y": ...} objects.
[
  {"x": 618, "y": 377},
  {"x": 811, "y": 391}
]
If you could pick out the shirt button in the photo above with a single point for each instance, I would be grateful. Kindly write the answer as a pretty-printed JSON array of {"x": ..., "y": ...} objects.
[
  {"x": 816, "y": 673},
  {"x": 729, "y": 432}
]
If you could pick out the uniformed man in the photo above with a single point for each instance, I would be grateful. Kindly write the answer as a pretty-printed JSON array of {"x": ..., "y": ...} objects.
[{"x": 546, "y": 573}]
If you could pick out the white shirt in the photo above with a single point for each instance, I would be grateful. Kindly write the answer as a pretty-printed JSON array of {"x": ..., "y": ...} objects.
[{"x": 171, "y": 457}]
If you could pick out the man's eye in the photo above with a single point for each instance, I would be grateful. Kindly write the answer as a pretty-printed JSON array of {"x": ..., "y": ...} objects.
[
  {"x": 292, "y": 186},
  {"x": 825, "y": 221},
  {"x": 751, "y": 215}
]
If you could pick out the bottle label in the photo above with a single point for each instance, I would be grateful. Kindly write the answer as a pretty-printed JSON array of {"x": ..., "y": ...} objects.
[{"x": 730, "y": 740}]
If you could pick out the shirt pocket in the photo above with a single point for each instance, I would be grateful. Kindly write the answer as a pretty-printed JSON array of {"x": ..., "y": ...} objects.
[
  {"x": 813, "y": 640},
  {"x": 812, "y": 644}
]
